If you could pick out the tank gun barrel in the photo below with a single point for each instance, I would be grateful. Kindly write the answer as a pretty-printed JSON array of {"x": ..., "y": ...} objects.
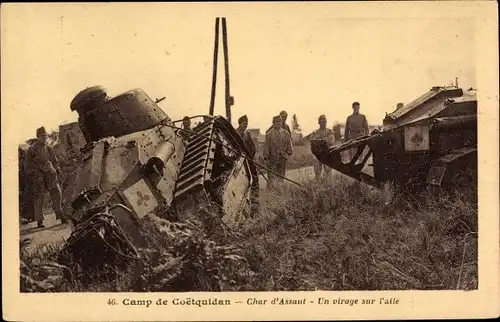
[{"x": 163, "y": 153}]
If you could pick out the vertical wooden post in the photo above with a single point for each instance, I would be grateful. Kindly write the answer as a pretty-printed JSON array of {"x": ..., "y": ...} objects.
[
  {"x": 229, "y": 98},
  {"x": 214, "y": 72}
]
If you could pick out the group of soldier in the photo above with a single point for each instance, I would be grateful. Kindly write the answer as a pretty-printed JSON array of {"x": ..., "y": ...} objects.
[
  {"x": 278, "y": 145},
  {"x": 42, "y": 165}
]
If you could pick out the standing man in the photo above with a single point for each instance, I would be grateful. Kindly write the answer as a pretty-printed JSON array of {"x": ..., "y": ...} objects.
[
  {"x": 186, "y": 125},
  {"x": 250, "y": 146},
  {"x": 285, "y": 126},
  {"x": 245, "y": 135},
  {"x": 43, "y": 167},
  {"x": 324, "y": 134},
  {"x": 277, "y": 150},
  {"x": 355, "y": 127},
  {"x": 283, "y": 115},
  {"x": 337, "y": 133},
  {"x": 356, "y": 124}
]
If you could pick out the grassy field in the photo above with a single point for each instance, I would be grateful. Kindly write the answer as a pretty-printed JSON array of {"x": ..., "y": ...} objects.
[
  {"x": 334, "y": 235},
  {"x": 301, "y": 157}
]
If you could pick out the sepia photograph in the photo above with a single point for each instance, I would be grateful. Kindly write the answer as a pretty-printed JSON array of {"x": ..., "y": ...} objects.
[{"x": 168, "y": 149}]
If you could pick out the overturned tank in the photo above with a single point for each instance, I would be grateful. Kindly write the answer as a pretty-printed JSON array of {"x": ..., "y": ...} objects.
[
  {"x": 137, "y": 162},
  {"x": 430, "y": 142}
]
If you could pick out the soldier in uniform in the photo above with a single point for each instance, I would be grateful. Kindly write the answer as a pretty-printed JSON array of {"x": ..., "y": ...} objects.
[
  {"x": 337, "y": 133},
  {"x": 186, "y": 125},
  {"x": 43, "y": 168},
  {"x": 245, "y": 135},
  {"x": 250, "y": 146},
  {"x": 325, "y": 134},
  {"x": 283, "y": 115},
  {"x": 277, "y": 150},
  {"x": 356, "y": 124}
]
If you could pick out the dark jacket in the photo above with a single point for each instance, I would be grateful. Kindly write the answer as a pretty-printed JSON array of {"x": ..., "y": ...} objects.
[
  {"x": 248, "y": 141},
  {"x": 356, "y": 126}
]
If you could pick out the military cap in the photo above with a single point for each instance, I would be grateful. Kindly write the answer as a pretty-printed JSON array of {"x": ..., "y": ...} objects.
[
  {"x": 322, "y": 117},
  {"x": 355, "y": 104},
  {"x": 242, "y": 119},
  {"x": 186, "y": 118},
  {"x": 277, "y": 119},
  {"x": 283, "y": 113},
  {"x": 40, "y": 131}
]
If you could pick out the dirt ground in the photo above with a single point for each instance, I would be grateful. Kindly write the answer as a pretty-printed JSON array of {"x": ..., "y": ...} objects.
[{"x": 53, "y": 232}]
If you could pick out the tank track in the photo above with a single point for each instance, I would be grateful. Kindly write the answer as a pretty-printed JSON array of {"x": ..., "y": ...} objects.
[
  {"x": 195, "y": 174},
  {"x": 197, "y": 163}
]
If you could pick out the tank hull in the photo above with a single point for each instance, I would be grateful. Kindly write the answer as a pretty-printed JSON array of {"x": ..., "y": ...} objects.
[
  {"x": 429, "y": 143},
  {"x": 150, "y": 168}
]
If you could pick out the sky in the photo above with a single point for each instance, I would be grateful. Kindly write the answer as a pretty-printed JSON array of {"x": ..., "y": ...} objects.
[{"x": 312, "y": 61}]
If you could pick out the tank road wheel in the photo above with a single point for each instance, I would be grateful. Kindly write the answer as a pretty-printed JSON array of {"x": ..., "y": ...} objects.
[
  {"x": 464, "y": 180},
  {"x": 461, "y": 182}
]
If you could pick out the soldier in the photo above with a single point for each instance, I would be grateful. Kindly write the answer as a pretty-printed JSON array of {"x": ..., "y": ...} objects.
[
  {"x": 277, "y": 149},
  {"x": 356, "y": 124},
  {"x": 283, "y": 115},
  {"x": 186, "y": 125},
  {"x": 326, "y": 134},
  {"x": 250, "y": 145},
  {"x": 245, "y": 135},
  {"x": 43, "y": 167},
  {"x": 337, "y": 133}
]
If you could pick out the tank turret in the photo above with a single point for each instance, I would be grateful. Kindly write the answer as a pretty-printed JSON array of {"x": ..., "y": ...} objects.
[{"x": 102, "y": 116}]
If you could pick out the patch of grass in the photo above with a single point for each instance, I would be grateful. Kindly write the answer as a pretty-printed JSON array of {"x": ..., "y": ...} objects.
[
  {"x": 40, "y": 271},
  {"x": 334, "y": 235},
  {"x": 301, "y": 157},
  {"x": 344, "y": 236}
]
